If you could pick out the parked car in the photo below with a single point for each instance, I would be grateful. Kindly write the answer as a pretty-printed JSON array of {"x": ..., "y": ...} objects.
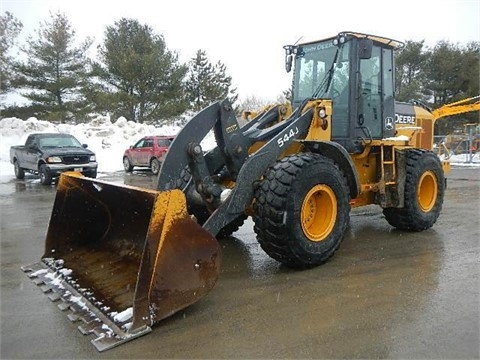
[
  {"x": 50, "y": 154},
  {"x": 147, "y": 152}
]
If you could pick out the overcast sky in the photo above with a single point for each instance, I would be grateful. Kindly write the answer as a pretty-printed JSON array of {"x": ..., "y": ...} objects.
[{"x": 248, "y": 35}]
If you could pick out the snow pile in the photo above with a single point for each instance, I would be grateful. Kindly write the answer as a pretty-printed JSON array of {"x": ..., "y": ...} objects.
[{"x": 108, "y": 139}]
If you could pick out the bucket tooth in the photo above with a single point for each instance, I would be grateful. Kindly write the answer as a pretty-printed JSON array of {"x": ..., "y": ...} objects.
[
  {"x": 89, "y": 327},
  {"x": 73, "y": 317},
  {"x": 54, "y": 296},
  {"x": 38, "y": 281},
  {"x": 64, "y": 306}
]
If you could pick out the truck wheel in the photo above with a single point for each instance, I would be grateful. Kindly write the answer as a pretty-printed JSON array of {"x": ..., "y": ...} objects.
[
  {"x": 155, "y": 166},
  {"x": 424, "y": 191},
  {"x": 45, "y": 176},
  {"x": 91, "y": 174},
  {"x": 19, "y": 172},
  {"x": 126, "y": 165},
  {"x": 301, "y": 210}
]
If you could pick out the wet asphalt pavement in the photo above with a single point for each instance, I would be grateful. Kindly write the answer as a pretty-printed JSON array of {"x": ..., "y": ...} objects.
[{"x": 385, "y": 293}]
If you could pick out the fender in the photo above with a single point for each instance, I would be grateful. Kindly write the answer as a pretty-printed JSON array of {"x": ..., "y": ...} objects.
[{"x": 338, "y": 154}]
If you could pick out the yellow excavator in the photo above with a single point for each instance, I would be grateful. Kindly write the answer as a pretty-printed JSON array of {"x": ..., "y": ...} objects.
[
  {"x": 122, "y": 258},
  {"x": 468, "y": 139}
]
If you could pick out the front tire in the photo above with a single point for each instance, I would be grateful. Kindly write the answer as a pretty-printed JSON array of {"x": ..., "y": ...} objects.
[
  {"x": 301, "y": 210},
  {"x": 424, "y": 192},
  {"x": 91, "y": 174},
  {"x": 127, "y": 165},
  {"x": 19, "y": 172},
  {"x": 45, "y": 176}
]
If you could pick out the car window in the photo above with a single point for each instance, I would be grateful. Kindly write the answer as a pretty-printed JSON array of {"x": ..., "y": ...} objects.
[
  {"x": 139, "y": 144},
  {"x": 164, "y": 142},
  {"x": 148, "y": 143},
  {"x": 62, "y": 141}
]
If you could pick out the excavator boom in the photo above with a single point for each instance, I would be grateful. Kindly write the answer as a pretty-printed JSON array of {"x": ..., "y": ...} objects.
[{"x": 458, "y": 107}]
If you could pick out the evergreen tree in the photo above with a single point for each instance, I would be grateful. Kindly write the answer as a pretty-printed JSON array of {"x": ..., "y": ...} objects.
[
  {"x": 410, "y": 66},
  {"x": 470, "y": 69},
  {"x": 444, "y": 72},
  {"x": 53, "y": 74},
  {"x": 10, "y": 27},
  {"x": 453, "y": 74},
  {"x": 139, "y": 77},
  {"x": 207, "y": 83}
]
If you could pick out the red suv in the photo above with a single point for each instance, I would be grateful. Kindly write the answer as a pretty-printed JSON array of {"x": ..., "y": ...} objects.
[{"x": 147, "y": 152}]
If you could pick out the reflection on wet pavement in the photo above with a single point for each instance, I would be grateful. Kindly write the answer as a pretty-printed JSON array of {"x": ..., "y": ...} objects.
[{"x": 385, "y": 293}]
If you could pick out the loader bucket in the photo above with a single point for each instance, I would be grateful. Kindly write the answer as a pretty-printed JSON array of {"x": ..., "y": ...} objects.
[{"x": 122, "y": 258}]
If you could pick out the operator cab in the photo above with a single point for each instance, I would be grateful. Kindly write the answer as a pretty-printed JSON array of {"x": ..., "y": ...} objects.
[{"x": 356, "y": 72}]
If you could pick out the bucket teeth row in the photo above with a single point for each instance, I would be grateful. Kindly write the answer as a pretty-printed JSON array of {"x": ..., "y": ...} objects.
[{"x": 107, "y": 333}]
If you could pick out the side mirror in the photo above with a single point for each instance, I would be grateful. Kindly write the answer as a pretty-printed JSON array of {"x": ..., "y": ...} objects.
[
  {"x": 288, "y": 63},
  {"x": 85, "y": 146},
  {"x": 365, "y": 48},
  {"x": 289, "y": 51}
]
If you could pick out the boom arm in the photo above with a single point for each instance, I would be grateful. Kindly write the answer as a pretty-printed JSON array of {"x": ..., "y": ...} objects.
[
  {"x": 459, "y": 107},
  {"x": 231, "y": 153}
]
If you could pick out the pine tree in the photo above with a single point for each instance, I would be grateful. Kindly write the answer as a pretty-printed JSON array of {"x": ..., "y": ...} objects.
[
  {"x": 10, "y": 27},
  {"x": 410, "y": 65},
  {"x": 453, "y": 71},
  {"x": 207, "y": 83},
  {"x": 139, "y": 77},
  {"x": 453, "y": 74},
  {"x": 54, "y": 72}
]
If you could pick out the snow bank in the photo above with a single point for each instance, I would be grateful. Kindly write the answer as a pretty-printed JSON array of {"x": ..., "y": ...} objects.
[{"x": 106, "y": 138}]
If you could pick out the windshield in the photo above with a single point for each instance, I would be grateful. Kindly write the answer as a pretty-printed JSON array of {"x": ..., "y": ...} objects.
[
  {"x": 321, "y": 70},
  {"x": 59, "y": 141}
]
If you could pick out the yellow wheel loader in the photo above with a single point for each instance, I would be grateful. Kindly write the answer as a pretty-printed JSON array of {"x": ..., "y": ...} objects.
[{"x": 123, "y": 258}]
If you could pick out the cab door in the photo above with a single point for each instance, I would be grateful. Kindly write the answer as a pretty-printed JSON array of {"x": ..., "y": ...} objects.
[{"x": 375, "y": 104}]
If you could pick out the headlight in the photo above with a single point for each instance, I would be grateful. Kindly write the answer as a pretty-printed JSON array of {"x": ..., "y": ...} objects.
[
  {"x": 54, "y": 159},
  {"x": 322, "y": 113},
  {"x": 93, "y": 158}
]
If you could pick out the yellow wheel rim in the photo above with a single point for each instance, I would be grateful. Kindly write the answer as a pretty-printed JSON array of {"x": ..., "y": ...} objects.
[
  {"x": 319, "y": 212},
  {"x": 427, "y": 191}
]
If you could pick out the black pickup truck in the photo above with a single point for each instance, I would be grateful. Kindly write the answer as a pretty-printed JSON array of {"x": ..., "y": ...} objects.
[{"x": 50, "y": 154}]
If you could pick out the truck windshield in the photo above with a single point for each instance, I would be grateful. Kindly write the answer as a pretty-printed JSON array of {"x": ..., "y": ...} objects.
[
  {"x": 321, "y": 70},
  {"x": 59, "y": 141}
]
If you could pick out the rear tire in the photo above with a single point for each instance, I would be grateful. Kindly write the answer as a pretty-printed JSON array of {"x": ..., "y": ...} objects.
[
  {"x": 155, "y": 166},
  {"x": 127, "y": 165},
  {"x": 424, "y": 192},
  {"x": 301, "y": 210},
  {"x": 45, "y": 176},
  {"x": 19, "y": 172}
]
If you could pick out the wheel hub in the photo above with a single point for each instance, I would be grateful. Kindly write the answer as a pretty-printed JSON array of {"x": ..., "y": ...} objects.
[
  {"x": 427, "y": 191},
  {"x": 319, "y": 212}
]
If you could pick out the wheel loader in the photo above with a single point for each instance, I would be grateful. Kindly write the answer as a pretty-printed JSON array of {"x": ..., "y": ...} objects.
[{"x": 120, "y": 258}]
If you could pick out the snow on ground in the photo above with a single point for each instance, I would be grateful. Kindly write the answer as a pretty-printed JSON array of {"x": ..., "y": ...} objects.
[{"x": 108, "y": 139}]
